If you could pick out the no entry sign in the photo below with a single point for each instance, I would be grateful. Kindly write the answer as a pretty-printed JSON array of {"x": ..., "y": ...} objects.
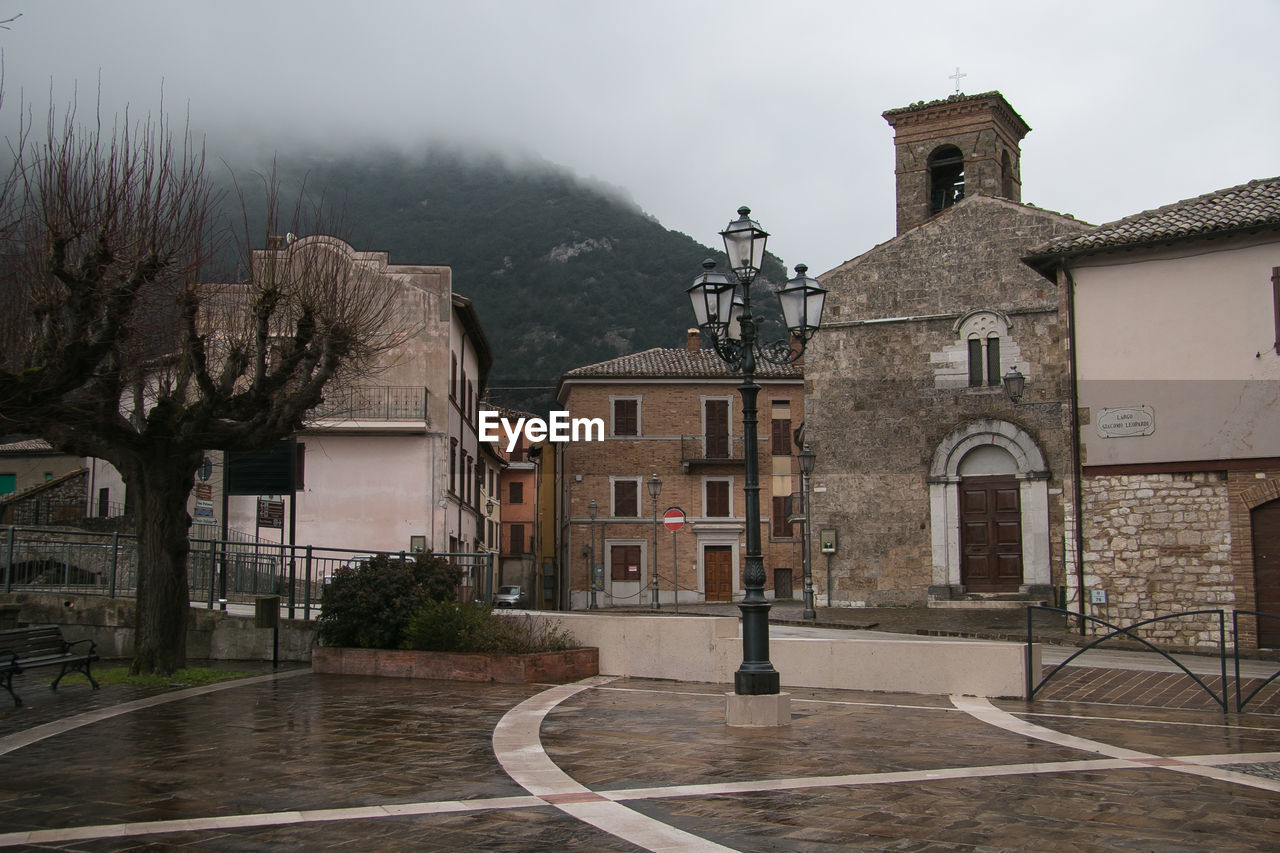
[{"x": 673, "y": 518}]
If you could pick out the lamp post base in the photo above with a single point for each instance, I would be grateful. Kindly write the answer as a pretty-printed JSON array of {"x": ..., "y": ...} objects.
[{"x": 757, "y": 711}]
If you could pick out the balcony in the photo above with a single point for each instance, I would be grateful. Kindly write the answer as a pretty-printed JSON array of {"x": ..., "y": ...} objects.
[
  {"x": 697, "y": 453},
  {"x": 379, "y": 404}
]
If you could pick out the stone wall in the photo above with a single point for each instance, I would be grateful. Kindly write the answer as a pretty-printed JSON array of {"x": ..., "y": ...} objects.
[
  {"x": 211, "y": 634},
  {"x": 1160, "y": 544},
  {"x": 881, "y": 392}
]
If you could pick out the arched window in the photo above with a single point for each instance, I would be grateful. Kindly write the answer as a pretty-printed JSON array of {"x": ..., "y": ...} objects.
[
  {"x": 1006, "y": 176},
  {"x": 946, "y": 178},
  {"x": 984, "y": 360}
]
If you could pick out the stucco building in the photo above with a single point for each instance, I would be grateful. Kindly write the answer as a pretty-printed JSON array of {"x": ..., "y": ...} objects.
[
  {"x": 1177, "y": 339},
  {"x": 675, "y": 413},
  {"x": 937, "y": 485},
  {"x": 393, "y": 463}
]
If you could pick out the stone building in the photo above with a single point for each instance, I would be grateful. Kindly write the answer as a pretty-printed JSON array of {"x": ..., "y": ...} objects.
[
  {"x": 936, "y": 484},
  {"x": 1176, "y": 330},
  {"x": 677, "y": 414}
]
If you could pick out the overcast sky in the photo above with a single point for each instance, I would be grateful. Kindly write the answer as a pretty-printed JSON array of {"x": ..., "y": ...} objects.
[{"x": 694, "y": 107}]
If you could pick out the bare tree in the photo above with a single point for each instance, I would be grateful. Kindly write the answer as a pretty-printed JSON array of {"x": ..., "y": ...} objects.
[{"x": 112, "y": 347}]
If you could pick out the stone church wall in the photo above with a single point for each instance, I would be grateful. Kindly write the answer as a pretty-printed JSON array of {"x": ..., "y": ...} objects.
[{"x": 881, "y": 392}]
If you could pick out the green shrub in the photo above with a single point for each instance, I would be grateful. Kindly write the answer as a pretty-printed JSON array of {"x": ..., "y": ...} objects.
[
  {"x": 371, "y": 605},
  {"x": 448, "y": 626}
]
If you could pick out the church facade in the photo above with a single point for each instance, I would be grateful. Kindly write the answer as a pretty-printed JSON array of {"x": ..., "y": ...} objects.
[{"x": 937, "y": 485}]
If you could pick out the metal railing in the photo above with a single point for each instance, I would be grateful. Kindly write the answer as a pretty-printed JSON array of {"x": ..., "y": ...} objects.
[
  {"x": 377, "y": 403},
  {"x": 1131, "y": 632},
  {"x": 218, "y": 570}
]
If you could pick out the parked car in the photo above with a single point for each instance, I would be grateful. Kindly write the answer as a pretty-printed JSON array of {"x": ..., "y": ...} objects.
[
  {"x": 509, "y": 596},
  {"x": 353, "y": 563}
]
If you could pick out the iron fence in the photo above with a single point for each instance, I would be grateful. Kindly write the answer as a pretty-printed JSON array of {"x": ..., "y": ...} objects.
[
  {"x": 219, "y": 571},
  {"x": 1134, "y": 632}
]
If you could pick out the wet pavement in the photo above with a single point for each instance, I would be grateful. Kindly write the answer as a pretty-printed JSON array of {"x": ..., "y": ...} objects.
[{"x": 1103, "y": 759}]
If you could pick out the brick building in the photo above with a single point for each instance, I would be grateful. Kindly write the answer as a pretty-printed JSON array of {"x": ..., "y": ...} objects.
[
  {"x": 518, "y": 494},
  {"x": 937, "y": 485},
  {"x": 675, "y": 413}
]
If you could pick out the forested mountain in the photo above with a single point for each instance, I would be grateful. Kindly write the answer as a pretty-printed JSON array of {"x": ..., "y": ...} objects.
[{"x": 562, "y": 272}]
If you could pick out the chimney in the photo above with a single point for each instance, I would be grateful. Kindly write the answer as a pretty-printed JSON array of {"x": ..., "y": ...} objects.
[
  {"x": 693, "y": 340},
  {"x": 275, "y": 241}
]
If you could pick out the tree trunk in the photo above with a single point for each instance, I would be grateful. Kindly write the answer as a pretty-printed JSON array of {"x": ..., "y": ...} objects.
[{"x": 163, "y": 482}]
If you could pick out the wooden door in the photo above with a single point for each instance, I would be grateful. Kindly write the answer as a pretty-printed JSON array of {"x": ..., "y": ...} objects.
[
  {"x": 717, "y": 564},
  {"x": 716, "y": 439},
  {"x": 990, "y": 534},
  {"x": 1266, "y": 571}
]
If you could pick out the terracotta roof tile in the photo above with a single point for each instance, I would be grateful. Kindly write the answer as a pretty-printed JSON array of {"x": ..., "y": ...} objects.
[
  {"x": 1250, "y": 206},
  {"x": 660, "y": 363}
]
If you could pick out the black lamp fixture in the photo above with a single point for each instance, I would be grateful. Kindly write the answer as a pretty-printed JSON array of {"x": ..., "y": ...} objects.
[
  {"x": 722, "y": 307},
  {"x": 1015, "y": 383},
  {"x": 655, "y": 489}
]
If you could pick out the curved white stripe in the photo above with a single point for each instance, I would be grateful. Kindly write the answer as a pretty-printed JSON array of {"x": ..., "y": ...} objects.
[
  {"x": 983, "y": 710},
  {"x": 517, "y": 743}
]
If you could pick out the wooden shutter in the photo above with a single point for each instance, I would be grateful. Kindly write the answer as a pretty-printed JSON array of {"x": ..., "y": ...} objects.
[
  {"x": 781, "y": 437},
  {"x": 625, "y": 417},
  {"x": 717, "y": 499},
  {"x": 626, "y": 502}
]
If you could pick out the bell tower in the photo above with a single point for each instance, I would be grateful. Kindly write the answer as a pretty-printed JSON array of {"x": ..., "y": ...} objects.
[{"x": 959, "y": 146}]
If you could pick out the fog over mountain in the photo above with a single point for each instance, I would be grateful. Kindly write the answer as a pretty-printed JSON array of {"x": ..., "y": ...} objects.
[{"x": 563, "y": 272}]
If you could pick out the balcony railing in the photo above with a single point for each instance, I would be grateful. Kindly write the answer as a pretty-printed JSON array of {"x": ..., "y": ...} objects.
[
  {"x": 694, "y": 452},
  {"x": 378, "y": 403}
]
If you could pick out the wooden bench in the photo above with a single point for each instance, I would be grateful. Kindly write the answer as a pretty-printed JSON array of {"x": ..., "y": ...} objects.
[{"x": 39, "y": 646}]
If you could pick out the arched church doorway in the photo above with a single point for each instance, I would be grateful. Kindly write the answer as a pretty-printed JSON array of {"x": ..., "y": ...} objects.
[
  {"x": 990, "y": 521},
  {"x": 989, "y": 510}
]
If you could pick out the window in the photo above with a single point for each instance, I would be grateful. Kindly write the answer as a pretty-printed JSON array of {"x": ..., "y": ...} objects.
[
  {"x": 8, "y": 483},
  {"x": 626, "y": 498},
  {"x": 715, "y": 429},
  {"x": 716, "y": 498},
  {"x": 517, "y": 539},
  {"x": 1275, "y": 298},
  {"x": 515, "y": 493},
  {"x": 626, "y": 416},
  {"x": 453, "y": 376},
  {"x": 946, "y": 178},
  {"x": 300, "y": 466},
  {"x": 782, "y": 529},
  {"x": 453, "y": 466},
  {"x": 984, "y": 361},
  {"x": 781, "y": 437},
  {"x": 624, "y": 561}
]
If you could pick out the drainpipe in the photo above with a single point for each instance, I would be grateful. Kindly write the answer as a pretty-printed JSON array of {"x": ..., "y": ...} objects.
[{"x": 1077, "y": 472}]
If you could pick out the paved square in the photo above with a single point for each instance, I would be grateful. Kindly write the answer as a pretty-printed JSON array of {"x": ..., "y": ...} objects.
[{"x": 304, "y": 761}]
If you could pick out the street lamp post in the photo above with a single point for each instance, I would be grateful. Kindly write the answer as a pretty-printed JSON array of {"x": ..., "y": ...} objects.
[
  {"x": 655, "y": 489},
  {"x": 722, "y": 306},
  {"x": 807, "y": 458},
  {"x": 592, "y": 510}
]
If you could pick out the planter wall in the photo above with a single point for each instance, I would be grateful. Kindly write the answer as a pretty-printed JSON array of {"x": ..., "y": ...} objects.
[{"x": 540, "y": 668}]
